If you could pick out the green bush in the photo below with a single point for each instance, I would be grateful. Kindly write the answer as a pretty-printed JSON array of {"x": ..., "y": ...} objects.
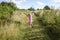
[{"x": 6, "y": 9}]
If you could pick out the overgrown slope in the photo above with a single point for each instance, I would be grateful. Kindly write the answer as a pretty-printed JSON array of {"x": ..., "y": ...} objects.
[{"x": 14, "y": 24}]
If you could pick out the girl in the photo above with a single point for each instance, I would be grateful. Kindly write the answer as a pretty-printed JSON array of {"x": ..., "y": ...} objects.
[{"x": 30, "y": 19}]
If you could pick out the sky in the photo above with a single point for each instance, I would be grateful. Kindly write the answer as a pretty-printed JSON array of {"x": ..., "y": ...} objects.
[{"x": 35, "y": 3}]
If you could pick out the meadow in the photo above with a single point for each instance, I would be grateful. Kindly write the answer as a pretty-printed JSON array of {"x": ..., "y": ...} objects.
[
  {"x": 46, "y": 26},
  {"x": 14, "y": 24}
]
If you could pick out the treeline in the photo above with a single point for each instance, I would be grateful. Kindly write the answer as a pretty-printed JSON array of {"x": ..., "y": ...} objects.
[{"x": 45, "y": 8}]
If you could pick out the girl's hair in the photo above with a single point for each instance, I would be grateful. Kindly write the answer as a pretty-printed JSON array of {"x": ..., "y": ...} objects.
[{"x": 28, "y": 14}]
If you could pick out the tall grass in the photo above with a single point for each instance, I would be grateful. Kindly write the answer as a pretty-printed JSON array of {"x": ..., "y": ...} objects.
[{"x": 46, "y": 26}]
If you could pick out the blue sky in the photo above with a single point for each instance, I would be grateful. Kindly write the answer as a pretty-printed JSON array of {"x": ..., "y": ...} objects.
[{"x": 35, "y": 3}]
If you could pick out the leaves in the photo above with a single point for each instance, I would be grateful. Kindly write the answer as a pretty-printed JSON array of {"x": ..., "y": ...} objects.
[{"x": 6, "y": 9}]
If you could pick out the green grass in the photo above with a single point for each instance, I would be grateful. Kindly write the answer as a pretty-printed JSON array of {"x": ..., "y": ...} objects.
[{"x": 46, "y": 26}]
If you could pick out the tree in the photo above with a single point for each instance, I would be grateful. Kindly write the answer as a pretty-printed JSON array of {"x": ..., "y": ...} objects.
[
  {"x": 38, "y": 9},
  {"x": 31, "y": 9},
  {"x": 46, "y": 8},
  {"x": 6, "y": 9}
]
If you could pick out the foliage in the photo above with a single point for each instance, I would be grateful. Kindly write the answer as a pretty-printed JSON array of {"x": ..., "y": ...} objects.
[
  {"x": 45, "y": 27},
  {"x": 46, "y": 8},
  {"x": 6, "y": 9},
  {"x": 50, "y": 21},
  {"x": 31, "y": 9}
]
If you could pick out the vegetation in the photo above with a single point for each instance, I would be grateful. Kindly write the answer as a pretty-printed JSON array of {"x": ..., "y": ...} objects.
[
  {"x": 31, "y": 9},
  {"x": 15, "y": 26},
  {"x": 6, "y": 9},
  {"x": 46, "y": 8}
]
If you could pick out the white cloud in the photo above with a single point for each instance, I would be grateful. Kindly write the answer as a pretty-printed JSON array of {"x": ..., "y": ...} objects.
[
  {"x": 56, "y": 0},
  {"x": 24, "y": 0},
  {"x": 40, "y": 3},
  {"x": 18, "y": 2},
  {"x": 23, "y": 7}
]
